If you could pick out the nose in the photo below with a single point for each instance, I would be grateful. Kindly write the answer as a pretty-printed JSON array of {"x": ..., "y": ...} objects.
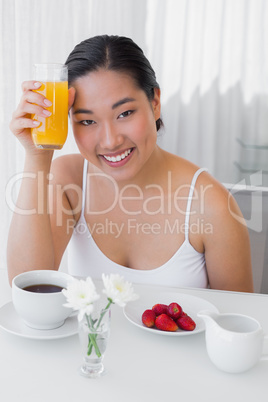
[{"x": 109, "y": 137}]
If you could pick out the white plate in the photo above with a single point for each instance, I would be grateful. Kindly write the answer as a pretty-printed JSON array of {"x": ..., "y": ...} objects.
[
  {"x": 12, "y": 323},
  {"x": 190, "y": 305}
]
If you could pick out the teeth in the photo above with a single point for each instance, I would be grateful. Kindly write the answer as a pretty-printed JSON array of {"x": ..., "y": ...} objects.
[{"x": 117, "y": 158}]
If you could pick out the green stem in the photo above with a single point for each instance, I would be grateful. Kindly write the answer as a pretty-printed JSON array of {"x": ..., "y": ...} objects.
[
  {"x": 93, "y": 342},
  {"x": 92, "y": 338},
  {"x": 90, "y": 346},
  {"x": 104, "y": 311}
]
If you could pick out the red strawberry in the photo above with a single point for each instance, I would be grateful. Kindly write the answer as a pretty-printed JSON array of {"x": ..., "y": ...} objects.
[
  {"x": 186, "y": 323},
  {"x": 148, "y": 318},
  {"x": 183, "y": 314},
  {"x": 160, "y": 309},
  {"x": 165, "y": 323},
  {"x": 174, "y": 310}
]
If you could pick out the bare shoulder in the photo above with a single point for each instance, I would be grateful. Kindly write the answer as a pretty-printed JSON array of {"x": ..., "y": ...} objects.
[
  {"x": 67, "y": 179},
  {"x": 216, "y": 197},
  {"x": 211, "y": 198},
  {"x": 68, "y": 169},
  {"x": 217, "y": 207},
  {"x": 184, "y": 171}
]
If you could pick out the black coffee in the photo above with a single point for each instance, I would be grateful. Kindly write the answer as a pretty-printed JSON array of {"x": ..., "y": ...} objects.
[{"x": 43, "y": 288}]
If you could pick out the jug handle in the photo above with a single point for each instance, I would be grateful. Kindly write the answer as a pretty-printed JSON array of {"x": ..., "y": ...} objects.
[{"x": 265, "y": 356}]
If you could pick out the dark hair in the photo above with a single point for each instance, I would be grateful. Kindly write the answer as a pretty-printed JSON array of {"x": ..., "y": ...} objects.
[{"x": 117, "y": 53}]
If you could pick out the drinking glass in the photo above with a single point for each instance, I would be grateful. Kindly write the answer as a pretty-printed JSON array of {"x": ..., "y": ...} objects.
[
  {"x": 94, "y": 332},
  {"x": 53, "y": 130}
]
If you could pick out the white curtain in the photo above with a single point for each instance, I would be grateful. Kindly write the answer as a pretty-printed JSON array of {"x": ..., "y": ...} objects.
[
  {"x": 210, "y": 56},
  {"x": 213, "y": 67}
]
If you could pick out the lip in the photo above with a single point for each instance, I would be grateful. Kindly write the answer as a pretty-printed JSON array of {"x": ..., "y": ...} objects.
[{"x": 120, "y": 163}]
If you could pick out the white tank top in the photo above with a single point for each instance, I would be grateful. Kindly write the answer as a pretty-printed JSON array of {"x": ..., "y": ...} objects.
[{"x": 186, "y": 268}]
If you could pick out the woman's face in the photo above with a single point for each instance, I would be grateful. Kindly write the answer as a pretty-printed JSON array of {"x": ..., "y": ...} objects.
[{"x": 114, "y": 123}]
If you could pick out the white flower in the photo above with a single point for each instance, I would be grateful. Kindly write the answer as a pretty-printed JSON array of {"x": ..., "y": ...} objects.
[
  {"x": 80, "y": 296},
  {"x": 118, "y": 289}
]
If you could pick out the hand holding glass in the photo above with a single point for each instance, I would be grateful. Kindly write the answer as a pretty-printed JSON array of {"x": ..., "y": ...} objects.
[{"x": 53, "y": 130}]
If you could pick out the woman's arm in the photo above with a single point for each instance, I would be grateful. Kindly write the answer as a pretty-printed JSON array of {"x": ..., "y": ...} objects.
[
  {"x": 43, "y": 223},
  {"x": 31, "y": 242},
  {"x": 227, "y": 247}
]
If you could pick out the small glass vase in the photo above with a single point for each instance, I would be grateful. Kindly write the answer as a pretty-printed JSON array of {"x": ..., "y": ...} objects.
[{"x": 94, "y": 332}]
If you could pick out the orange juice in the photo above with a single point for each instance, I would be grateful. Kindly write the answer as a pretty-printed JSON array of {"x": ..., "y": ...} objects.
[{"x": 52, "y": 132}]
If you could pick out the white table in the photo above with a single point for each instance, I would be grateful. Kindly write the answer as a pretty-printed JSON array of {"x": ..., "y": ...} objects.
[{"x": 141, "y": 366}]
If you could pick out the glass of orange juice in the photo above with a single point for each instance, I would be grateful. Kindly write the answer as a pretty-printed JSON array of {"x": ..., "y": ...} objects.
[{"x": 53, "y": 130}]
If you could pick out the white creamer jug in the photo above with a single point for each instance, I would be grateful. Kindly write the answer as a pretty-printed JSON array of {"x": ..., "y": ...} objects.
[{"x": 234, "y": 342}]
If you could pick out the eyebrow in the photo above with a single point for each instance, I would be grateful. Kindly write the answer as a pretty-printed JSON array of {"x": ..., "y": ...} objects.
[
  {"x": 122, "y": 101},
  {"x": 114, "y": 106}
]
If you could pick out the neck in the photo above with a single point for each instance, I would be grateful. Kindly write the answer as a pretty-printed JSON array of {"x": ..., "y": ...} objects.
[{"x": 151, "y": 172}]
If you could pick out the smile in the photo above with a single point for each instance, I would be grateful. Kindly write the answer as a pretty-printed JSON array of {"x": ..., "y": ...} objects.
[{"x": 119, "y": 157}]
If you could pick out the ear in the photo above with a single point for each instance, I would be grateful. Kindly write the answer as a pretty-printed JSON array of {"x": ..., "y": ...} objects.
[
  {"x": 156, "y": 103},
  {"x": 71, "y": 97}
]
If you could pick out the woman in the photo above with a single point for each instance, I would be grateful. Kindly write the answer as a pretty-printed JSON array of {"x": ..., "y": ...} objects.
[{"x": 126, "y": 205}]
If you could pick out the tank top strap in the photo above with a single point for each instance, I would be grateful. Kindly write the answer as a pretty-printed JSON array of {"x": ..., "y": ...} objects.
[
  {"x": 84, "y": 188},
  {"x": 189, "y": 202}
]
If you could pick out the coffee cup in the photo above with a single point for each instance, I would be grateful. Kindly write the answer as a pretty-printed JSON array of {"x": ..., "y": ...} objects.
[{"x": 38, "y": 299}]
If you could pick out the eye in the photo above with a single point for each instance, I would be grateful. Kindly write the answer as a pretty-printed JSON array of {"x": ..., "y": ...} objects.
[
  {"x": 87, "y": 122},
  {"x": 126, "y": 113}
]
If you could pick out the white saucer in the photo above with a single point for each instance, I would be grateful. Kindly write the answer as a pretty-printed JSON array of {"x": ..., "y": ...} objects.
[
  {"x": 12, "y": 323},
  {"x": 190, "y": 305}
]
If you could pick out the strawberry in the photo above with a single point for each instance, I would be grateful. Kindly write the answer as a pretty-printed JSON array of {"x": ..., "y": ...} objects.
[
  {"x": 160, "y": 309},
  {"x": 174, "y": 310},
  {"x": 165, "y": 323},
  {"x": 183, "y": 314},
  {"x": 148, "y": 318},
  {"x": 186, "y": 323}
]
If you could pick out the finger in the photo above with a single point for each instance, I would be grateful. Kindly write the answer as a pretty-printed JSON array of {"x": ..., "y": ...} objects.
[
  {"x": 35, "y": 97},
  {"x": 31, "y": 85},
  {"x": 31, "y": 95},
  {"x": 32, "y": 109},
  {"x": 18, "y": 125}
]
